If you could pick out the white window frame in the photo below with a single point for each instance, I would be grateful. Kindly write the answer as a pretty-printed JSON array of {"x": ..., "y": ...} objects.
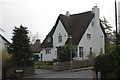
[
  {"x": 48, "y": 51},
  {"x": 60, "y": 38},
  {"x": 91, "y": 50},
  {"x": 81, "y": 51}
]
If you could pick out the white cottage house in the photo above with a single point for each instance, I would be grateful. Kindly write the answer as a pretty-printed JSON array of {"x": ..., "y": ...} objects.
[
  {"x": 86, "y": 31},
  {"x": 3, "y": 46},
  {"x": 3, "y": 43}
]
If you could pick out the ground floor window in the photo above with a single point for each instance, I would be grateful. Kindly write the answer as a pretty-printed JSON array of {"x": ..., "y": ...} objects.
[
  {"x": 90, "y": 50},
  {"x": 48, "y": 51},
  {"x": 80, "y": 51}
]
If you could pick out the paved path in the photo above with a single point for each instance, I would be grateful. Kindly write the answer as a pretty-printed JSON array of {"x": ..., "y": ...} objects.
[{"x": 40, "y": 73}]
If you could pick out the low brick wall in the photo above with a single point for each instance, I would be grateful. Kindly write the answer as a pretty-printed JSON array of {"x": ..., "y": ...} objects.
[
  {"x": 60, "y": 66},
  {"x": 26, "y": 72}
]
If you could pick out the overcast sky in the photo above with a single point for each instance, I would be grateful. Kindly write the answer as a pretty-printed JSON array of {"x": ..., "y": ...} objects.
[{"x": 40, "y": 15}]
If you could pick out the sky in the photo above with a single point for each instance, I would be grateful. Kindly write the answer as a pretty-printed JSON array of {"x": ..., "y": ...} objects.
[{"x": 40, "y": 15}]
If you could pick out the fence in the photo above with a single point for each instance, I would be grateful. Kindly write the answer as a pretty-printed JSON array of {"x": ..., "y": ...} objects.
[{"x": 61, "y": 66}]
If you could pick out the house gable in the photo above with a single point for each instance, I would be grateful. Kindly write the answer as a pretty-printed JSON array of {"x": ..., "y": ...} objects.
[
  {"x": 60, "y": 35},
  {"x": 96, "y": 41},
  {"x": 74, "y": 25}
]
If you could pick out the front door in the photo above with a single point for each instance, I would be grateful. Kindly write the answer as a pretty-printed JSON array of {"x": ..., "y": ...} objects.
[{"x": 36, "y": 57}]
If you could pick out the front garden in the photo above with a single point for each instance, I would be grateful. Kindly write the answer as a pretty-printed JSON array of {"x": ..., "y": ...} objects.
[{"x": 44, "y": 65}]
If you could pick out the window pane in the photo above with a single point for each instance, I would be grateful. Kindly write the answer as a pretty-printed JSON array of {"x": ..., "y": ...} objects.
[
  {"x": 88, "y": 36},
  {"x": 90, "y": 50},
  {"x": 59, "y": 38},
  {"x": 48, "y": 51},
  {"x": 80, "y": 51}
]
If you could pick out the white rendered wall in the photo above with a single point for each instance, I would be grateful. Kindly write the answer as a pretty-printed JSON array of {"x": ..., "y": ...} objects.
[
  {"x": 86, "y": 43},
  {"x": 97, "y": 38},
  {"x": 48, "y": 57},
  {"x": 60, "y": 30},
  {"x": 2, "y": 47},
  {"x": 2, "y": 44}
]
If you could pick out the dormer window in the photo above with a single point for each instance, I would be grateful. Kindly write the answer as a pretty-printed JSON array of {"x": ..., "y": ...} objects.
[
  {"x": 49, "y": 39},
  {"x": 60, "y": 38}
]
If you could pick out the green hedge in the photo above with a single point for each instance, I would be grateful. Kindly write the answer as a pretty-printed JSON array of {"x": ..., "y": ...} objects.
[
  {"x": 105, "y": 63},
  {"x": 64, "y": 53}
]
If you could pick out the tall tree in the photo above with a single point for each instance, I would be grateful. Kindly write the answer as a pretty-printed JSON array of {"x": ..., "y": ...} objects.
[
  {"x": 20, "y": 47},
  {"x": 110, "y": 37},
  {"x": 107, "y": 25}
]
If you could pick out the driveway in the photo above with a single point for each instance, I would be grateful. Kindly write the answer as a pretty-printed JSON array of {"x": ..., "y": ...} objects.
[{"x": 40, "y": 73}]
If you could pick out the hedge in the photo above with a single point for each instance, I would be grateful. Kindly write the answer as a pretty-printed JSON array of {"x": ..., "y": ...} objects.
[
  {"x": 64, "y": 53},
  {"x": 105, "y": 63}
]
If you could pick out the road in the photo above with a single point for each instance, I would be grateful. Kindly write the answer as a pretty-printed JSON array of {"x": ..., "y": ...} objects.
[{"x": 40, "y": 73}]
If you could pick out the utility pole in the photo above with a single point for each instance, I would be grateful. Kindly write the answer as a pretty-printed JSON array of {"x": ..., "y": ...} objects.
[
  {"x": 117, "y": 53},
  {"x": 71, "y": 52}
]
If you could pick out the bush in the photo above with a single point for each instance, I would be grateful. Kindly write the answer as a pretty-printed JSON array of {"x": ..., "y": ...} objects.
[
  {"x": 111, "y": 75},
  {"x": 64, "y": 53},
  {"x": 7, "y": 63},
  {"x": 44, "y": 65},
  {"x": 104, "y": 63}
]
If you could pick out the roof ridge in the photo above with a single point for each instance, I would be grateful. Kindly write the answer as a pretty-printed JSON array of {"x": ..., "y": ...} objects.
[{"x": 81, "y": 13}]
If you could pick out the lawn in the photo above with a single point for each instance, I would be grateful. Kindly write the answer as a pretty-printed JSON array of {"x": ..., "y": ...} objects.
[{"x": 44, "y": 65}]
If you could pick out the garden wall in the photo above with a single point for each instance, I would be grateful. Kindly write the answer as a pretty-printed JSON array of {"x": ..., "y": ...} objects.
[
  {"x": 26, "y": 72},
  {"x": 61, "y": 66}
]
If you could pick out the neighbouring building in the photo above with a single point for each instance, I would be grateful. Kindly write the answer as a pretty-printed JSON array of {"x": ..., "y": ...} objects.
[
  {"x": 85, "y": 31},
  {"x": 4, "y": 43},
  {"x": 36, "y": 47}
]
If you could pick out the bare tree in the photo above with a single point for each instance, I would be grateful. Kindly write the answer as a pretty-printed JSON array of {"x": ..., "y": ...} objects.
[{"x": 33, "y": 37}]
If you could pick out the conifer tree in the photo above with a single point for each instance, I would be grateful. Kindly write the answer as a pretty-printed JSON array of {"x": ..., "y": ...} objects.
[{"x": 20, "y": 47}]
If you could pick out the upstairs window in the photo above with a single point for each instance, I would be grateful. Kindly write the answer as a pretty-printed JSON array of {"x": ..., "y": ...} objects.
[
  {"x": 48, "y": 51},
  {"x": 59, "y": 38},
  {"x": 92, "y": 23},
  {"x": 89, "y": 36}
]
